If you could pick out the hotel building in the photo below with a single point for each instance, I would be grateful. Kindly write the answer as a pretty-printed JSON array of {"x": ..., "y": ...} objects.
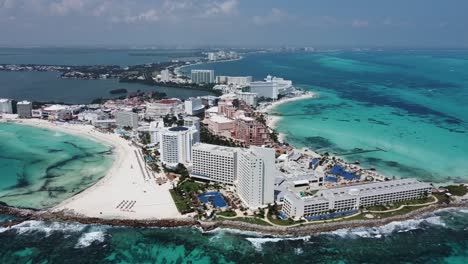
[
  {"x": 193, "y": 106},
  {"x": 165, "y": 77},
  {"x": 238, "y": 81},
  {"x": 176, "y": 145},
  {"x": 271, "y": 87},
  {"x": 214, "y": 163},
  {"x": 164, "y": 107},
  {"x": 6, "y": 106},
  {"x": 256, "y": 176},
  {"x": 248, "y": 98},
  {"x": 126, "y": 119},
  {"x": 202, "y": 76},
  {"x": 251, "y": 132},
  {"x": 24, "y": 109},
  {"x": 354, "y": 197}
]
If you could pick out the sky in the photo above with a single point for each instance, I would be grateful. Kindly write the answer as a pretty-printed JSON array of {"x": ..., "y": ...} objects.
[{"x": 185, "y": 23}]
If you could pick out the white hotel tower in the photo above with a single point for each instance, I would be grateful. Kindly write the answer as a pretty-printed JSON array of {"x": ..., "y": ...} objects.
[
  {"x": 176, "y": 145},
  {"x": 256, "y": 176}
]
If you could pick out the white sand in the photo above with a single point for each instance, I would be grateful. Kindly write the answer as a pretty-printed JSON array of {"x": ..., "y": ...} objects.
[{"x": 124, "y": 181}]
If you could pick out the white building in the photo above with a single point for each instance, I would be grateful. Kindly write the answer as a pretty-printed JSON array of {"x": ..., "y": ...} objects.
[
  {"x": 249, "y": 98},
  {"x": 256, "y": 176},
  {"x": 214, "y": 163},
  {"x": 193, "y": 121},
  {"x": 354, "y": 197},
  {"x": 212, "y": 56},
  {"x": 202, "y": 76},
  {"x": 6, "y": 106},
  {"x": 57, "y": 112},
  {"x": 92, "y": 116},
  {"x": 24, "y": 109},
  {"x": 155, "y": 129},
  {"x": 165, "y": 76},
  {"x": 193, "y": 106},
  {"x": 126, "y": 119},
  {"x": 176, "y": 145},
  {"x": 164, "y": 107},
  {"x": 238, "y": 81},
  {"x": 271, "y": 87}
]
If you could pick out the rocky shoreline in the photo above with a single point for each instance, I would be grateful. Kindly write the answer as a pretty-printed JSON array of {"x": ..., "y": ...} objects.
[{"x": 302, "y": 230}]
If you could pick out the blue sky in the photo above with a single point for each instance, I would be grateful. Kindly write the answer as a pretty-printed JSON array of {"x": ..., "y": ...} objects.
[{"x": 417, "y": 23}]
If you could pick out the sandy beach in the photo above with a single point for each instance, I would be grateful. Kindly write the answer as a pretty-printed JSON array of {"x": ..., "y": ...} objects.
[{"x": 126, "y": 192}]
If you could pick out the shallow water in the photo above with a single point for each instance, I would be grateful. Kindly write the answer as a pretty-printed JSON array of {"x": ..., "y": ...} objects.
[
  {"x": 40, "y": 168},
  {"x": 410, "y": 104}
]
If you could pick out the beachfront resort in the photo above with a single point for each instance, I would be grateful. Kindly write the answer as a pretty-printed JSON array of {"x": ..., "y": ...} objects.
[{"x": 216, "y": 157}]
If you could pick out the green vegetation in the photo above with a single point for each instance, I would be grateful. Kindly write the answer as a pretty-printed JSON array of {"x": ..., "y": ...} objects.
[
  {"x": 190, "y": 186},
  {"x": 443, "y": 199},
  {"x": 182, "y": 204},
  {"x": 278, "y": 221},
  {"x": 228, "y": 213},
  {"x": 458, "y": 190},
  {"x": 207, "y": 137},
  {"x": 250, "y": 220}
]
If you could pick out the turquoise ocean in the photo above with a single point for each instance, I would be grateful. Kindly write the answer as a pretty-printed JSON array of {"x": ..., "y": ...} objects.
[
  {"x": 40, "y": 168},
  {"x": 412, "y": 104}
]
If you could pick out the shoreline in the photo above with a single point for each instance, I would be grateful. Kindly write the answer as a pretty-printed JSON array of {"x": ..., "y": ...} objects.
[
  {"x": 209, "y": 226},
  {"x": 177, "y": 69},
  {"x": 125, "y": 178},
  {"x": 272, "y": 120}
]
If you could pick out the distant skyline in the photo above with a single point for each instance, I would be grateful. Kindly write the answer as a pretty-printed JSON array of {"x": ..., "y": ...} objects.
[{"x": 188, "y": 23}]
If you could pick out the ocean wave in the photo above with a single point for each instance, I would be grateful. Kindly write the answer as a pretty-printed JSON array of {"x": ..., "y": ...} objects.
[
  {"x": 257, "y": 242},
  {"x": 46, "y": 227},
  {"x": 378, "y": 232},
  {"x": 87, "y": 239}
]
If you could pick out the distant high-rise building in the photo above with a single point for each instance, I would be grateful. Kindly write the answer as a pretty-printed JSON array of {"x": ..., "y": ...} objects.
[
  {"x": 126, "y": 119},
  {"x": 202, "y": 76},
  {"x": 256, "y": 176},
  {"x": 6, "y": 106},
  {"x": 24, "y": 109},
  {"x": 271, "y": 87},
  {"x": 248, "y": 98},
  {"x": 165, "y": 77},
  {"x": 176, "y": 145}
]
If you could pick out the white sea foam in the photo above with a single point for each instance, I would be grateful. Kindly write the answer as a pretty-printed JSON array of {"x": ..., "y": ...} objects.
[
  {"x": 44, "y": 227},
  {"x": 378, "y": 232},
  {"x": 88, "y": 238},
  {"x": 258, "y": 242},
  {"x": 47, "y": 228}
]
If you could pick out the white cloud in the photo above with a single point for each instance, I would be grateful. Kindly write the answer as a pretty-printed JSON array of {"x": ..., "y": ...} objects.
[
  {"x": 7, "y": 4},
  {"x": 358, "y": 23},
  {"x": 225, "y": 7},
  {"x": 275, "y": 16},
  {"x": 146, "y": 16}
]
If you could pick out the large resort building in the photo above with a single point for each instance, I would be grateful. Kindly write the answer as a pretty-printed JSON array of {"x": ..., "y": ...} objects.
[
  {"x": 176, "y": 145},
  {"x": 256, "y": 176},
  {"x": 214, "y": 163},
  {"x": 299, "y": 205}
]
